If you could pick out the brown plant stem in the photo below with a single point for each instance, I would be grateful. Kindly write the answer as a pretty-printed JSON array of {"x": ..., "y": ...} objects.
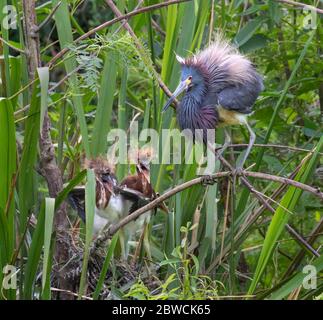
[{"x": 49, "y": 168}]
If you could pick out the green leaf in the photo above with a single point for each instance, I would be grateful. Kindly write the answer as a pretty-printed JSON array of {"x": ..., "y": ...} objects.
[
  {"x": 49, "y": 218},
  {"x": 295, "y": 281},
  {"x": 248, "y": 30},
  {"x": 104, "y": 108},
  {"x": 34, "y": 254},
  {"x": 105, "y": 266},
  {"x": 43, "y": 74},
  {"x": 89, "y": 214}
]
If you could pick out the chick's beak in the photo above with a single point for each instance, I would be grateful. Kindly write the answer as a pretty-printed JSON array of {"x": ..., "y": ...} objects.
[
  {"x": 181, "y": 87},
  {"x": 110, "y": 184}
]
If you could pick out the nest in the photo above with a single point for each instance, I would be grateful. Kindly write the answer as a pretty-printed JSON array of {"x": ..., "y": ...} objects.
[{"x": 121, "y": 274}]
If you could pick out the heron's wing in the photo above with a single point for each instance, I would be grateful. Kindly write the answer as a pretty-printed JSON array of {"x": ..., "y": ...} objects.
[
  {"x": 240, "y": 98},
  {"x": 129, "y": 193},
  {"x": 137, "y": 198},
  {"x": 76, "y": 198}
]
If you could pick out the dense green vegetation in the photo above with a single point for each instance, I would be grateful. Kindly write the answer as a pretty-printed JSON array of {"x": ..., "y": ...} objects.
[{"x": 218, "y": 241}]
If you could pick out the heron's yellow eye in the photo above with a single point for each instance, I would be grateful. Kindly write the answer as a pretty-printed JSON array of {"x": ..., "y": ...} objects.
[{"x": 188, "y": 80}]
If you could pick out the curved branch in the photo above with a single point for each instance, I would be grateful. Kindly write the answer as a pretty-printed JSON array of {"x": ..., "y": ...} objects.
[{"x": 208, "y": 180}]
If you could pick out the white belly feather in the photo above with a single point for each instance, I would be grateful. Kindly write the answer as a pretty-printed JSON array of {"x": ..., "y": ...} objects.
[
  {"x": 111, "y": 214},
  {"x": 117, "y": 209}
]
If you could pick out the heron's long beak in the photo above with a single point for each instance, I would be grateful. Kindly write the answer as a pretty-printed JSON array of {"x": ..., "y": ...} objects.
[{"x": 181, "y": 87}]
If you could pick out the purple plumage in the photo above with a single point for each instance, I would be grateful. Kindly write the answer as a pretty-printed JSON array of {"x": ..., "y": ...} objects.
[{"x": 221, "y": 86}]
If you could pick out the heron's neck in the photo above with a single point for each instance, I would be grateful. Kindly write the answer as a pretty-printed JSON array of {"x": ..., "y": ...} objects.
[{"x": 195, "y": 95}]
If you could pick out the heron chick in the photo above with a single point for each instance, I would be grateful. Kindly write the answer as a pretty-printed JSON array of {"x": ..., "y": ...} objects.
[{"x": 221, "y": 86}]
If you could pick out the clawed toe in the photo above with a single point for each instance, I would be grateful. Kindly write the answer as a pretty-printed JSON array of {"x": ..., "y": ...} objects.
[
  {"x": 208, "y": 180},
  {"x": 237, "y": 172}
]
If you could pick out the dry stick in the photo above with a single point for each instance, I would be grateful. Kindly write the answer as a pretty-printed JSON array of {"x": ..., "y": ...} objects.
[
  {"x": 301, "y": 5},
  {"x": 266, "y": 176},
  {"x": 158, "y": 28},
  {"x": 49, "y": 167},
  {"x": 140, "y": 48},
  {"x": 278, "y": 146}
]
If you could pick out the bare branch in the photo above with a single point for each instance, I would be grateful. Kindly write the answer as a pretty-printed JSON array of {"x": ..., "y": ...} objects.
[
  {"x": 47, "y": 19},
  {"x": 278, "y": 146},
  {"x": 210, "y": 179},
  {"x": 266, "y": 176},
  {"x": 49, "y": 167},
  {"x": 301, "y": 5}
]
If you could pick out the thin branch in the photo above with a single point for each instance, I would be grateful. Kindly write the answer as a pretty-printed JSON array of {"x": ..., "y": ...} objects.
[
  {"x": 266, "y": 176},
  {"x": 255, "y": 216},
  {"x": 11, "y": 46},
  {"x": 210, "y": 179},
  {"x": 158, "y": 27},
  {"x": 301, "y": 5},
  {"x": 47, "y": 19},
  {"x": 115, "y": 20},
  {"x": 153, "y": 204},
  {"x": 278, "y": 146}
]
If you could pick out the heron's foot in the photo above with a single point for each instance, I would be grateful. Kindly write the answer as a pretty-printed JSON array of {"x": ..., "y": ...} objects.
[
  {"x": 237, "y": 172},
  {"x": 207, "y": 180}
]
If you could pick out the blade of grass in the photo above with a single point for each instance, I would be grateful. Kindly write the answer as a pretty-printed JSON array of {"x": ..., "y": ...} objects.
[
  {"x": 26, "y": 181},
  {"x": 7, "y": 176},
  {"x": 89, "y": 214},
  {"x": 105, "y": 266},
  {"x": 65, "y": 36},
  {"x": 49, "y": 218},
  {"x": 104, "y": 108},
  {"x": 34, "y": 255}
]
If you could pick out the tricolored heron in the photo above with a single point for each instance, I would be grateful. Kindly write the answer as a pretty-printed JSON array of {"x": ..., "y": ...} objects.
[{"x": 221, "y": 86}]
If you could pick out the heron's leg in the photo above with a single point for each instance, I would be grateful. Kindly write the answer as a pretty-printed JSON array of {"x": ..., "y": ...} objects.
[
  {"x": 227, "y": 142},
  {"x": 252, "y": 140}
]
